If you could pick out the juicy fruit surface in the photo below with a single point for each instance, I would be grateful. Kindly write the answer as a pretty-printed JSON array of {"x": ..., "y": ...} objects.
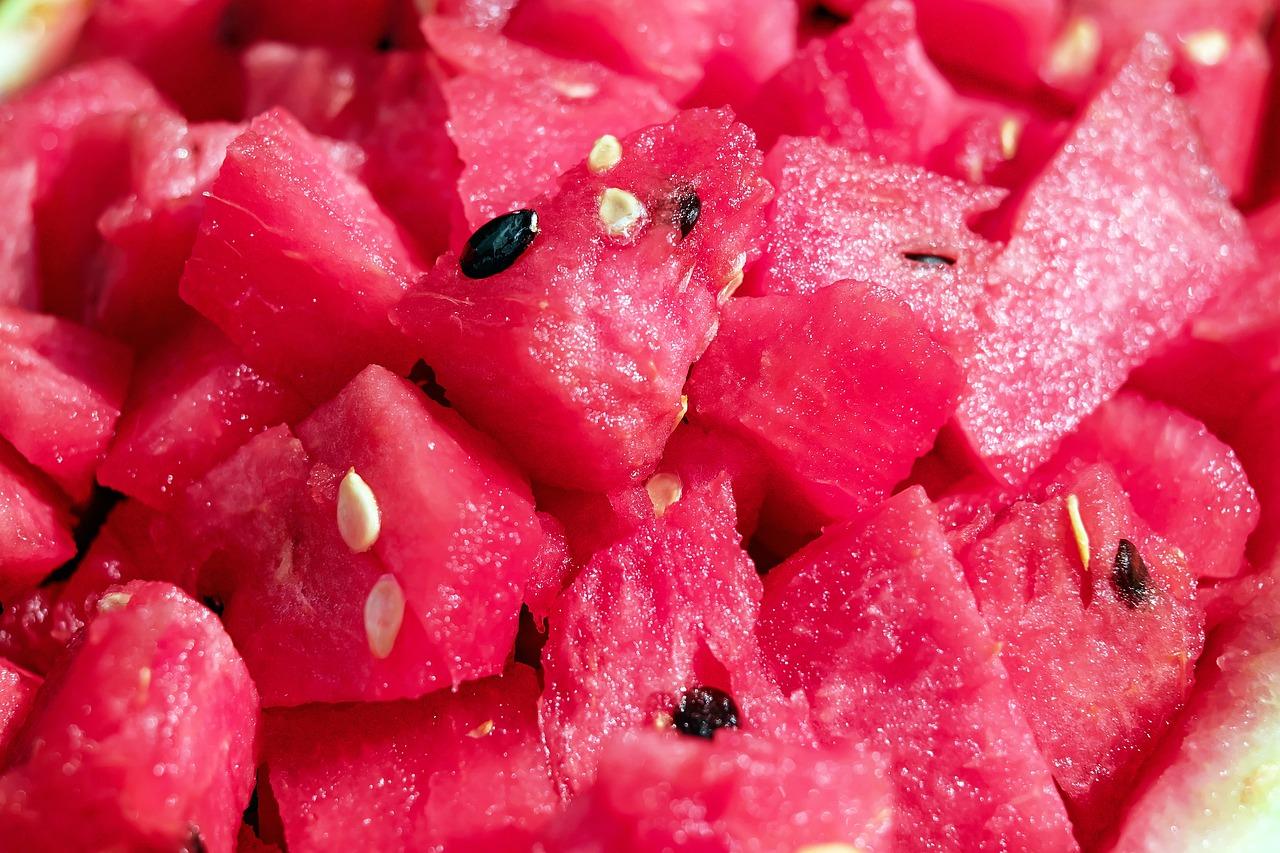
[{"x": 598, "y": 425}]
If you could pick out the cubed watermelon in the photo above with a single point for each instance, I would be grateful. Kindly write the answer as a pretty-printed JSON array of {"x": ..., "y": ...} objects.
[
  {"x": 840, "y": 390},
  {"x": 874, "y": 621},
  {"x": 296, "y": 263},
  {"x": 142, "y": 740},
  {"x": 1082, "y": 597},
  {"x": 457, "y": 771},
  {"x": 35, "y": 525},
  {"x": 578, "y": 369}
]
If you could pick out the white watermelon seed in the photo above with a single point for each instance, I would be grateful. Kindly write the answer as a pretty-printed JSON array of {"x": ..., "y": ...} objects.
[
  {"x": 683, "y": 409},
  {"x": 576, "y": 90},
  {"x": 113, "y": 601},
  {"x": 605, "y": 154},
  {"x": 1077, "y": 530},
  {"x": 621, "y": 212},
  {"x": 359, "y": 519},
  {"x": 383, "y": 615},
  {"x": 664, "y": 490},
  {"x": 481, "y": 730},
  {"x": 1207, "y": 47},
  {"x": 1010, "y": 136},
  {"x": 663, "y": 721},
  {"x": 734, "y": 281},
  {"x": 1076, "y": 51}
]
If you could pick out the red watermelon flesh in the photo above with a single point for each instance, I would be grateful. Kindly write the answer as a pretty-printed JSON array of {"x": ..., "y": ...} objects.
[
  {"x": 478, "y": 14},
  {"x": 295, "y": 263},
  {"x": 839, "y": 390},
  {"x": 194, "y": 401},
  {"x": 61, "y": 390},
  {"x": 18, "y": 273},
  {"x": 578, "y": 370},
  {"x": 572, "y": 103},
  {"x": 1100, "y": 667},
  {"x": 1215, "y": 786},
  {"x": 1254, "y": 439},
  {"x": 553, "y": 568},
  {"x": 659, "y": 791},
  {"x": 667, "y": 609},
  {"x": 142, "y": 740},
  {"x": 1152, "y": 238},
  {"x": 754, "y": 42},
  {"x": 25, "y": 635},
  {"x": 1002, "y": 42},
  {"x": 826, "y": 193},
  {"x": 874, "y": 621},
  {"x": 464, "y": 770},
  {"x": 594, "y": 521},
  {"x": 332, "y": 23},
  {"x": 699, "y": 457},
  {"x": 17, "y": 690},
  {"x": 148, "y": 233},
  {"x": 35, "y": 525}
]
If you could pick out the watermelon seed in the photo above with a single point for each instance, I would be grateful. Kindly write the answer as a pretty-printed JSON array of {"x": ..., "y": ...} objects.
[
  {"x": 359, "y": 519},
  {"x": 621, "y": 212},
  {"x": 734, "y": 281},
  {"x": 688, "y": 211},
  {"x": 1076, "y": 51},
  {"x": 606, "y": 153},
  {"x": 481, "y": 730},
  {"x": 576, "y": 90},
  {"x": 1010, "y": 136},
  {"x": 702, "y": 710},
  {"x": 498, "y": 243},
  {"x": 929, "y": 259},
  {"x": 1131, "y": 576},
  {"x": 113, "y": 601},
  {"x": 664, "y": 490},
  {"x": 1207, "y": 47},
  {"x": 683, "y": 409},
  {"x": 1077, "y": 530},
  {"x": 214, "y": 604},
  {"x": 383, "y": 615}
]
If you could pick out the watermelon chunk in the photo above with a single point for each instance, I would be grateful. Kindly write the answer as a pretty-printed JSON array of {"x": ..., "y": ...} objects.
[
  {"x": 658, "y": 791},
  {"x": 573, "y": 103},
  {"x": 553, "y": 569},
  {"x": 194, "y": 402},
  {"x": 874, "y": 621},
  {"x": 17, "y": 692},
  {"x": 777, "y": 369},
  {"x": 1001, "y": 42},
  {"x": 35, "y": 525},
  {"x": 1152, "y": 239},
  {"x": 154, "y": 683},
  {"x": 914, "y": 237},
  {"x": 667, "y": 609},
  {"x": 295, "y": 262},
  {"x": 464, "y": 770},
  {"x": 1071, "y": 632},
  {"x": 578, "y": 369},
  {"x": 61, "y": 389}
]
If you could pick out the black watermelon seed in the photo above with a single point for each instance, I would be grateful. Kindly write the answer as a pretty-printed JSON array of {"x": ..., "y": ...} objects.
[
  {"x": 930, "y": 259},
  {"x": 424, "y": 376},
  {"x": 702, "y": 710},
  {"x": 214, "y": 604},
  {"x": 825, "y": 17},
  {"x": 688, "y": 211},
  {"x": 498, "y": 243},
  {"x": 1130, "y": 576}
]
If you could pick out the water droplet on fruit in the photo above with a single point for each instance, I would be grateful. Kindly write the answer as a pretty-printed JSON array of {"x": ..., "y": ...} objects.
[
  {"x": 383, "y": 615},
  {"x": 703, "y": 710},
  {"x": 688, "y": 211},
  {"x": 605, "y": 154},
  {"x": 359, "y": 519},
  {"x": 1077, "y": 530},
  {"x": 1207, "y": 47},
  {"x": 1131, "y": 577},
  {"x": 621, "y": 212},
  {"x": 664, "y": 490},
  {"x": 498, "y": 243},
  {"x": 930, "y": 259}
]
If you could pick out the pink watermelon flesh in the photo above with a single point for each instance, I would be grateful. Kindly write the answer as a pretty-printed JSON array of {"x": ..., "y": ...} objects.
[
  {"x": 699, "y": 457},
  {"x": 465, "y": 770},
  {"x": 1060, "y": 330},
  {"x": 17, "y": 692},
  {"x": 148, "y": 233},
  {"x": 18, "y": 272},
  {"x": 669, "y": 608},
  {"x": 295, "y": 263},
  {"x": 153, "y": 682},
  {"x": 1002, "y": 42},
  {"x": 594, "y": 521},
  {"x": 1254, "y": 440},
  {"x": 194, "y": 401},
  {"x": 577, "y": 370},
  {"x": 35, "y": 526},
  {"x": 839, "y": 390},
  {"x": 553, "y": 568},
  {"x": 754, "y": 42},
  {"x": 573, "y": 104},
  {"x": 660, "y": 791},
  {"x": 61, "y": 391},
  {"x": 825, "y": 193},
  {"x": 874, "y": 621},
  {"x": 1069, "y": 635}
]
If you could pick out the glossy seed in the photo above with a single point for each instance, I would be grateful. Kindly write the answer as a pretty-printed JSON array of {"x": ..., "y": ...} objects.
[
  {"x": 1131, "y": 577},
  {"x": 1076, "y": 50},
  {"x": 1207, "y": 47},
  {"x": 605, "y": 154},
  {"x": 664, "y": 490},
  {"x": 113, "y": 601},
  {"x": 688, "y": 211},
  {"x": 703, "y": 710},
  {"x": 383, "y": 615},
  {"x": 1010, "y": 135},
  {"x": 498, "y": 243},
  {"x": 481, "y": 730},
  {"x": 621, "y": 212},
  {"x": 1078, "y": 530},
  {"x": 929, "y": 259},
  {"x": 359, "y": 519}
]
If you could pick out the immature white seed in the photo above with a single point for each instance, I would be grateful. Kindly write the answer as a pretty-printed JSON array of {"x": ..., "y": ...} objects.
[
  {"x": 1077, "y": 530},
  {"x": 576, "y": 90},
  {"x": 621, "y": 212},
  {"x": 1010, "y": 136},
  {"x": 683, "y": 408},
  {"x": 1207, "y": 47},
  {"x": 359, "y": 519},
  {"x": 1076, "y": 51},
  {"x": 733, "y": 282},
  {"x": 664, "y": 490},
  {"x": 605, "y": 154},
  {"x": 383, "y": 615},
  {"x": 481, "y": 730},
  {"x": 113, "y": 601}
]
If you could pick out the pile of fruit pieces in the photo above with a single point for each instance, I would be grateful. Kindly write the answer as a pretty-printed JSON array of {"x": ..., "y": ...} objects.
[{"x": 594, "y": 425}]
